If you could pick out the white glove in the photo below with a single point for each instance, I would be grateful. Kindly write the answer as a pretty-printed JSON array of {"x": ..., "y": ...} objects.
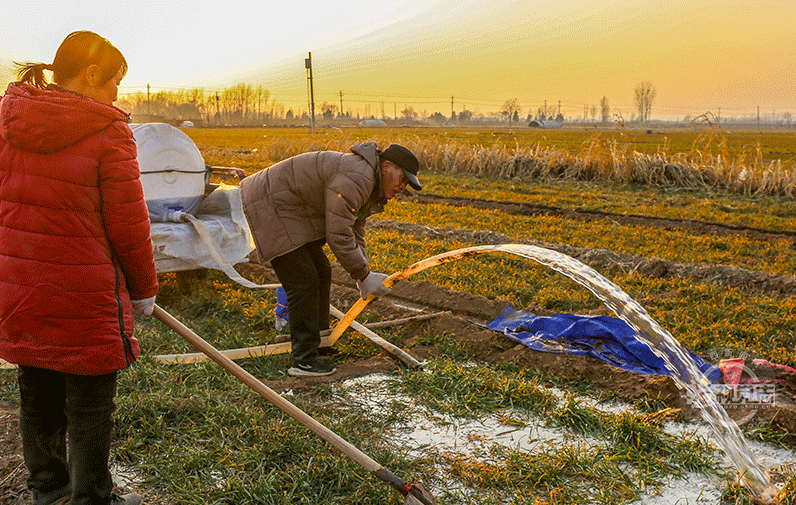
[
  {"x": 373, "y": 284},
  {"x": 145, "y": 306}
]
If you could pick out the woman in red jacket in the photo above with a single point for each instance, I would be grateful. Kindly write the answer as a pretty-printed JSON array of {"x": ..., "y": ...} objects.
[{"x": 75, "y": 260}]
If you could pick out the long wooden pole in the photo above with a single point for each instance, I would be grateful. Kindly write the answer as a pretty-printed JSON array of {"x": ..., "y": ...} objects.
[
  {"x": 387, "y": 346},
  {"x": 288, "y": 408},
  {"x": 404, "y": 320},
  {"x": 282, "y": 347}
]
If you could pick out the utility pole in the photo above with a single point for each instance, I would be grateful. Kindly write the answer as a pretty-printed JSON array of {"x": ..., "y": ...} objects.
[
  {"x": 308, "y": 66},
  {"x": 148, "y": 108},
  {"x": 451, "y": 105},
  {"x": 395, "y": 110},
  {"x": 341, "y": 103}
]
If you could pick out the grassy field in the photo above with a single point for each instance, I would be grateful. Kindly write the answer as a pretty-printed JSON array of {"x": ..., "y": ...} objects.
[
  {"x": 194, "y": 434},
  {"x": 773, "y": 144},
  {"x": 710, "y": 160}
]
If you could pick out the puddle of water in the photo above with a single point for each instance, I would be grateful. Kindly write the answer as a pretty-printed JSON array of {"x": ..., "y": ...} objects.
[{"x": 425, "y": 432}]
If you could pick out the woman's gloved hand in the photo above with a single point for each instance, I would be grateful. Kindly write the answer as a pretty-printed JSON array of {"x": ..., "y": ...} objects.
[
  {"x": 373, "y": 284},
  {"x": 145, "y": 306}
]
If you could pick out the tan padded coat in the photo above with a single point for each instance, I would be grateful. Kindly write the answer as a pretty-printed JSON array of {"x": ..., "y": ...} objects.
[{"x": 324, "y": 194}]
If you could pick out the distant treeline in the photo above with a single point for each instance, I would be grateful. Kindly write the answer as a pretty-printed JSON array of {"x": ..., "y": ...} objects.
[
  {"x": 242, "y": 104},
  {"x": 247, "y": 105}
]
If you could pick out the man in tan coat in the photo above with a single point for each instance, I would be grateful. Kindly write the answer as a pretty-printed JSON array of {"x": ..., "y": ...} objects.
[{"x": 297, "y": 205}]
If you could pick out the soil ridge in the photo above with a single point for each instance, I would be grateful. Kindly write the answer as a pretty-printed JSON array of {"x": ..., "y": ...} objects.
[{"x": 584, "y": 214}]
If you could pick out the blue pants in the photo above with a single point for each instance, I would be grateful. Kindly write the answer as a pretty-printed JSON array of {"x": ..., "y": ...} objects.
[
  {"x": 57, "y": 407},
  {"x": 306, "y": 275}
]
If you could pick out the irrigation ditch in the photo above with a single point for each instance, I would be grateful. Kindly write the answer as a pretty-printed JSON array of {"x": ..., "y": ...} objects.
[{"x": 626, "y": 219}]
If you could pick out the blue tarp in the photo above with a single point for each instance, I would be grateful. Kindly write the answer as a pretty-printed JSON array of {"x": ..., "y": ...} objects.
[{"x": 606, "y": 338}]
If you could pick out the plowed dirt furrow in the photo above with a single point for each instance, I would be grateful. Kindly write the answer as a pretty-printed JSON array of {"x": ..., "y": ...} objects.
[
  {"x": 601, "y": 258},
  {"x": 537, "y": 209}
]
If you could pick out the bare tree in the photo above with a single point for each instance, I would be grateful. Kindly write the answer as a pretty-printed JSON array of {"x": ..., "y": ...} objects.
[
  {"x": 240, "y": 104},
  {"x": 230, "y": 113},
  {"x": 510, "y": 108},
  {"x": 409, "y": 113},
  {"x": 645, "y": 97},
  {"x": 329, "y": 110},
  {"x": 605, "y": 109},
  {"x": 245, "y": 94},
  {"x": 261, "y": 96},
  {"x": 278, "y": 110}
]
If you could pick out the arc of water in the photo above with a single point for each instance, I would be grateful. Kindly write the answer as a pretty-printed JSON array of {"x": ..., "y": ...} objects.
[
  {"x": 425, "y": 264},
  {"x": 685, "y": 372}
]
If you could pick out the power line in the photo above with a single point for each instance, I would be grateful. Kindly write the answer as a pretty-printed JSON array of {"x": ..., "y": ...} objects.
[{"x": 291, "y": 97}]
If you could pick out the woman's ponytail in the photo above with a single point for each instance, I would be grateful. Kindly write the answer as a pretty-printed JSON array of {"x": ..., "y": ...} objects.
[{"x": 33, "y": 73}]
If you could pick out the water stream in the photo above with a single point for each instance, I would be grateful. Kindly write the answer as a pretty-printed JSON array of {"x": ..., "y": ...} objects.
[
  {"x": 685, "y": 372},
  {"x": 686, "y": 375}
]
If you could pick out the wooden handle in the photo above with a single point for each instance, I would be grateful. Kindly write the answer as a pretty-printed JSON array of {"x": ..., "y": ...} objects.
[{"x": 266, "y": 392}]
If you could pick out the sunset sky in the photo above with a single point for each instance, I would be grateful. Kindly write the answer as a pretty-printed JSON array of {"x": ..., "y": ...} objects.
[{"x": 700, "y": 55}]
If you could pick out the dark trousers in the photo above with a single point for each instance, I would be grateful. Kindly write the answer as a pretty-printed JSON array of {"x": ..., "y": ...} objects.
[
  {"x": 306, "y": 275},
  {"x": 56, "y": 407}
]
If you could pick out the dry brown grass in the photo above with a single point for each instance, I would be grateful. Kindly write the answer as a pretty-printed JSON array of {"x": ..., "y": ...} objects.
[{"x": 707, "y": 166}]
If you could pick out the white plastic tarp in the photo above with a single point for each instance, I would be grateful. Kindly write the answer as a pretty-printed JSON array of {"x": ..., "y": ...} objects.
[{"x": 178, "y": 246}]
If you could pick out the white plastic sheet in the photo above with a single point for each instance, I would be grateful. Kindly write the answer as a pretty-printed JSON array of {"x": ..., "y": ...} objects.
[{"x": 178, "y": 246}]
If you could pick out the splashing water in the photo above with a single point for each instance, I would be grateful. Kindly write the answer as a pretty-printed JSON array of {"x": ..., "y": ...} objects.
[{"x": 686, "y": 374}]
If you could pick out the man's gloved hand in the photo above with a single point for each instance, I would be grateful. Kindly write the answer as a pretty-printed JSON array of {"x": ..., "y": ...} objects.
[
  {"x": 145, "y": 306},
  {"x": 373, "y": 284}
]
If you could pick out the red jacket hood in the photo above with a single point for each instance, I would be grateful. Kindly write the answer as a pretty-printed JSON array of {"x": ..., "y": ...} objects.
[{"x": 49, "y": 120}]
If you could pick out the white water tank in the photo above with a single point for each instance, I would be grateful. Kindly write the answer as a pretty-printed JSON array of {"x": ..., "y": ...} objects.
[{"x": 173, "y": 172}]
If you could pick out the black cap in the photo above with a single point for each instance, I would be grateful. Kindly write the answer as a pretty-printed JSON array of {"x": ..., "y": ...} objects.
[{"x": 405, "y": 159}]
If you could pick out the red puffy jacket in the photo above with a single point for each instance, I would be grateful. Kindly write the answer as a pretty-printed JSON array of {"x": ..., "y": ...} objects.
[{"x": 74, "y": 233}]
